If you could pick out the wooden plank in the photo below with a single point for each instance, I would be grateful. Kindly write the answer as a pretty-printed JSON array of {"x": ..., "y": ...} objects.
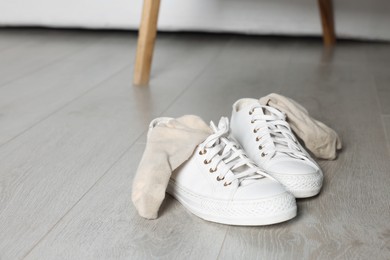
[
  {"x": 40, "y": 50},
  {"x": 382, "y": 83},
  {"x": 49, "y": 168},
  {"x": 347, "y": 52},
  {"x": 349, "y": 219},
  {"x": 378, "y": 56},
  {"x": 247, "y": 67},
  {"x": 30, "y": 99},
  {"x": 386, "y": 125},
  {"x": 105, "y": 225},
  {"x": 10, "y": 38},
  {"x": 68, "y": 179}
]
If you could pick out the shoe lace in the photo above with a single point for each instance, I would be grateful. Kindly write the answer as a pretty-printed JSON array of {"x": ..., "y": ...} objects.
[
  {"x": 225, "y": 155},
  {"x": 274, "y": 133}
]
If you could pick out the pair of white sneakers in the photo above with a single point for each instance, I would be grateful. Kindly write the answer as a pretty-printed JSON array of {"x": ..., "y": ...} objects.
[{"x": 249, "y": 172}]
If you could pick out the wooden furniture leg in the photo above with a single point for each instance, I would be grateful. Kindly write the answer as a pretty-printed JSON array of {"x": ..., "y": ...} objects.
[
  {"x": 326, "y": 12},
  {"x": 146, "y": 39}
]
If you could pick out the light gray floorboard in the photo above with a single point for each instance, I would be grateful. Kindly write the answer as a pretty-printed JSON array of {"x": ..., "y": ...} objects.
[
  {"x": 39, "y": 51},
  {"x": 28, "y": 100},
  {"x": 386, "y": 124},
  {"x": 378, "y": 62},
  {"x": 77, "y": 138},
  {"x": 382, "y": 80},
  {"x": 246, "y": 68},
  {"x": 48, "y": 169},
  {"x": 11, "y": 38},
  {"x": 378, "y": 55},
  {"x": 349, "y": 219},
  {"x": 105, "y": 225},
  {"x": 65, "y": 180}
]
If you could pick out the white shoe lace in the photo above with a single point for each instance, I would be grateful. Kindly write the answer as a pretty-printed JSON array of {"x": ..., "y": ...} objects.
[
  {"x": 224, "y": 155},
  {"x": 274, "y": 134}
]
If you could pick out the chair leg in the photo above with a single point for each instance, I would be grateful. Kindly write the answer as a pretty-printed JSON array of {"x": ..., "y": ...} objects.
[
  {"x": 146, "y": 38},
  {"x": 326, "y": 12}
]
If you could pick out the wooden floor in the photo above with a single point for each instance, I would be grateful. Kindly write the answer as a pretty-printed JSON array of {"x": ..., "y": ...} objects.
[{"x": 72, "y": 131}]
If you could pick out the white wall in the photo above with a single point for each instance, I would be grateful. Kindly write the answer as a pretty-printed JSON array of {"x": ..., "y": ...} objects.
[{"x": 354, "y": 18}]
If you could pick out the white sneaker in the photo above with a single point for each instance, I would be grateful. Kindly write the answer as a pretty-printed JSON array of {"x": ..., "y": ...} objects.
[
  {"x": 220, "y": 183},
  {"x": 268, "y": 140}
]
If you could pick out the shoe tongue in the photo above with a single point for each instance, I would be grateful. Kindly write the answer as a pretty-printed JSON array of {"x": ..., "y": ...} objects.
[
  {"x": 244, "y": 181},
  {"x": 262, "y": 110},
  {"x": 247, "y": 182},
  {"x": 280, "y": 155},
  {"x": 222, "y": 130},
  {"x": 258, "y": 109},
  {"x": 223, "y": 125}
]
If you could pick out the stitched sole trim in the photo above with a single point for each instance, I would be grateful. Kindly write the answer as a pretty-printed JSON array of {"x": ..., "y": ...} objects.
[
  {"x": 244, "y": 213},
  {"x": 301, "y": 186}
]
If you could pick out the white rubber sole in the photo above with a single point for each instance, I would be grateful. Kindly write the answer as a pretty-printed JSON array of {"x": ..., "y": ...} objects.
[
  {"x": 243, "y": 213},
  {"x": 300, "y": 194}
]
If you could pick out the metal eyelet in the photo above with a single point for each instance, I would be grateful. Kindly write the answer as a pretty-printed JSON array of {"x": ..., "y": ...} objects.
[
  {"x": 263, "y": 154},
  {"x": 206, "y": 162},
  {"x": 254, "y": 131},
  {"x": 250, "y": 112},
  {"x": 257, "y": 139},
  {"x": 252, "y": 121},
  {"x": 227, "y": 184},
  {"x": 211, "y": 170},
  {"x": 202, "y": 152},
  {"x": 260, "y": 147},
  {"x": 220, "y": 179}
]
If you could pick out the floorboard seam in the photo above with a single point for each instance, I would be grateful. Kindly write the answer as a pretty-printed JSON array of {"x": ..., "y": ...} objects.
[
  {"x": 223, "y": 242},
  {"x": 379, "y": 107},
  {"x": 375, "y": 90},
  {"x": 386, "y": 130}
]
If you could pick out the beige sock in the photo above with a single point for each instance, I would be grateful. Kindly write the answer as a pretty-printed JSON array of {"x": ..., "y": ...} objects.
[
  {"x": 170, "y": 143},
  {"x": 320, "y": 139}
]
